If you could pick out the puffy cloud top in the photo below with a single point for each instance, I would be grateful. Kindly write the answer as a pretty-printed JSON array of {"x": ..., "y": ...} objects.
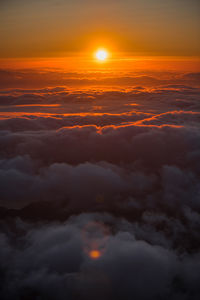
[{"x": 100, "y": 193}]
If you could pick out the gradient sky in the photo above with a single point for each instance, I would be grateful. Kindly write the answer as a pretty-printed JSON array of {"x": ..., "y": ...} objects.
[{"x": 43, "y": 28}]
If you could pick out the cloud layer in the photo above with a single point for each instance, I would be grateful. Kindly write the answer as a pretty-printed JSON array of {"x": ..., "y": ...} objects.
[
  {"x": 100, "y": 193},
  {"x": 49, "y": 262}
]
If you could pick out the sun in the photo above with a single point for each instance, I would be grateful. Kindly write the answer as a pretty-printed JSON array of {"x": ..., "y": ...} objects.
[{"x": 101, "y": 55}]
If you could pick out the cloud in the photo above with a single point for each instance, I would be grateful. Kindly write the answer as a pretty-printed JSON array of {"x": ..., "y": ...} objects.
[
  {"x": 34, "y": 122},
  {"x": 134, "y": 161},
  {"x": 51, "y": 263},
  {"x": 180, "y": 118},
  {"x": 42, "y": 78},
  {"x": 114, "y": 172}
]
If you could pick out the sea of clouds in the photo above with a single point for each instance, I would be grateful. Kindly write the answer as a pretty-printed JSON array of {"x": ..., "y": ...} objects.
[{"x": 116, "y": 171}]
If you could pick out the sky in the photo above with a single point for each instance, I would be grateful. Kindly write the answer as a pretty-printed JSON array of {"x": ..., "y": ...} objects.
[{"x": 46, "y": 28}]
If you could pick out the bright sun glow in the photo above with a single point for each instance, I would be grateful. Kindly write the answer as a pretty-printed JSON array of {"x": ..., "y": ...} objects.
[{"x": 101, "y": 54}]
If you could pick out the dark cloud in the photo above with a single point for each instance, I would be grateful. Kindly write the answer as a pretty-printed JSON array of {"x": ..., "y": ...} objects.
[
  {"x": 157, "y": 166},
  {"x": 50, "y": 262},
  {"x": 116, "y": 172}
]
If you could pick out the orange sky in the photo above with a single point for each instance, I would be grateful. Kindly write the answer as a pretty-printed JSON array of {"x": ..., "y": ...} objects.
[
  {"x": 116, "y": 63},
  {"x": 59, "y": 28}
]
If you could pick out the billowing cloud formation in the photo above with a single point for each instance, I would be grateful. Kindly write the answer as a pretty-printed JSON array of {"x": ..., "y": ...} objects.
[
  {"x": 50, "y": 262},
  {"x": 100, "y": 193},
  {"x": 113, "y": 161}
]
